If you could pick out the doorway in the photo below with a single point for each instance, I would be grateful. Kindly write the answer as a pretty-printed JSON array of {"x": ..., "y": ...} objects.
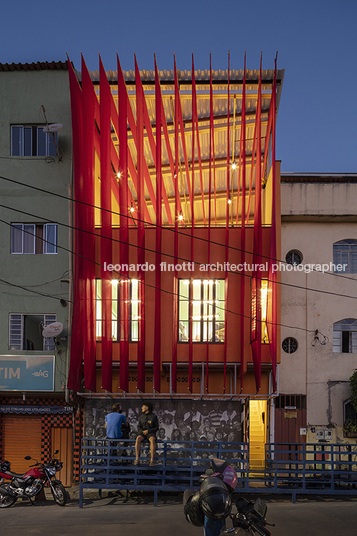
[
  {"x": 257, "y": 433},
  {"x": 62, "y": 440}
]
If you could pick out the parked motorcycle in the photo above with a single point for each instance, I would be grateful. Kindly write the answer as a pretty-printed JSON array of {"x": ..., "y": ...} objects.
[
  {"x": 249, "y": 519},
  {"x": 29, "y": 484}
]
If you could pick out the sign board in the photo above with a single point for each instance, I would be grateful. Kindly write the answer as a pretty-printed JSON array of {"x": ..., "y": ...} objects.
[{"x": 26, "y": 373}]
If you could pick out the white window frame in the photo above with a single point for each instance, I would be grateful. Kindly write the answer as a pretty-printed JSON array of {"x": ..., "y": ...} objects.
[
  {"x": 25, "y": 228},
  {"x": 50, "y": 146},
  {"x": 208, "y": 310},
  {"x": 17, "y": 332},
  {"x": 133, "y": 304},
  {"x": 348, "y": 326},
  {"x": 345, "y": 252}
]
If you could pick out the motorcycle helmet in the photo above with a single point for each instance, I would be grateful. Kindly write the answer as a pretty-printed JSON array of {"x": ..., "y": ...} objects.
[
  {"x": 228, "y": 474},
  {"x": 5, "y": 465},
  {"x": 215, "y": 498},
  {"x": 192, "y": 508}
]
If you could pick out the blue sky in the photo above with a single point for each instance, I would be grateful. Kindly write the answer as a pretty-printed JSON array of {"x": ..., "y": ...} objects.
[{"x": 316, "y": 43}]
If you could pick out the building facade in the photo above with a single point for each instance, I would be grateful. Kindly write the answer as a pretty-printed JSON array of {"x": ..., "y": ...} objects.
[
  {"x": 149, "y": 232},
  {"x": 177, "y": 215},
  {"x": 319, "y": 334},
  {"x": 35, "y": 243}
]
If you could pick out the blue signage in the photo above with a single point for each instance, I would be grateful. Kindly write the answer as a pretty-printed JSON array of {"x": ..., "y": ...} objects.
[{"x": 26, "y": 373}]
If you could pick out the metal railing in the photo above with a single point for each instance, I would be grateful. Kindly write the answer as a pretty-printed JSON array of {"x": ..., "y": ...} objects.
[{"x": 297, "y": 468}]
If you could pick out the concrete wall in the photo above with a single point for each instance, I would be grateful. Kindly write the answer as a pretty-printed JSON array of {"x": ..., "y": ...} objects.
[
  {"x": 316, "y": 300},
  {"x": 318, "y": 199},
  {"x": 21, "y": 95}
]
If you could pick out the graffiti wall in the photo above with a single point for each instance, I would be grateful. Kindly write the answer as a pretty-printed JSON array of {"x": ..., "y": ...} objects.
[{"x": 179, "y": 420}]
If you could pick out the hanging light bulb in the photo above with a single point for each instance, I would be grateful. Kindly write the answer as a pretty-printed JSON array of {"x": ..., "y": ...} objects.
[
  {"x": 118, "y": 174},
  {"x": 229, "y": 200},
  {"x": 180, "y": 216},
  {"x": 132, "y": 209},
  {"x": 234, "y": 165}
]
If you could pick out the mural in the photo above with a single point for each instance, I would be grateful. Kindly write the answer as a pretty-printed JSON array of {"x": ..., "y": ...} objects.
[{"x": 179, "y": 420}]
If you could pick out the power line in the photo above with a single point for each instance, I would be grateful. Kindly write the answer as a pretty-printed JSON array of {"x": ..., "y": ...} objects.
[
  {"x": 291, "y": 285},
  {"x": 147, "y": 285},
  {"x": 164, "y": 228},
  {"x": 34, "y": 291}
]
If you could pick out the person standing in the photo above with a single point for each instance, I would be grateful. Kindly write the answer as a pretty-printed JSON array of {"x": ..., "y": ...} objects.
[{"x": 148, "y": 425}]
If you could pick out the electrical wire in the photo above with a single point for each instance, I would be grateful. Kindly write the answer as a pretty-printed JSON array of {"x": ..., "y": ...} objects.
[
  {"x": 146, "y": 284},
  {"x": 30, "y": 290},
  {"x": 201, "y": 239},
  {"x": 152, "y": 286},
  {"x": 281, "y": 283}
]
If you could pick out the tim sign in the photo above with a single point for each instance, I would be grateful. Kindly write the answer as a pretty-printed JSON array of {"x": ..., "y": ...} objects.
[{"x": 26, "y": 373}]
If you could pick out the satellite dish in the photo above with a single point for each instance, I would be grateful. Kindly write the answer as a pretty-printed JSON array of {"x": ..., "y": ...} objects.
[
  {"x": 52, "y": 330},
  {"x": 55, "y": 127}
]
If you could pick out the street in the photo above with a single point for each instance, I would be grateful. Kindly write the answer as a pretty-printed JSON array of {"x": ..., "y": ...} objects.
[{"x": 111, "y": 516}]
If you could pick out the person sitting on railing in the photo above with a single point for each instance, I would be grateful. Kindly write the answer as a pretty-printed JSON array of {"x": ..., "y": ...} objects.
[{"x": 148, "y": 425}]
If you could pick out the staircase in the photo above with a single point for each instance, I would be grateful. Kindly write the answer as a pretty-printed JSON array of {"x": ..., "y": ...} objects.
[{"x": 257, "y": 434}]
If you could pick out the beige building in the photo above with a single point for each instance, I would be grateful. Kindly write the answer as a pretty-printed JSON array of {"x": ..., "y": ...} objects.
[{"x": 318, "y": 306}]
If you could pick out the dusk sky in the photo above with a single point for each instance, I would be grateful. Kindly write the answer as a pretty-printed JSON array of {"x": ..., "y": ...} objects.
[{"x": 315, "y": 39}]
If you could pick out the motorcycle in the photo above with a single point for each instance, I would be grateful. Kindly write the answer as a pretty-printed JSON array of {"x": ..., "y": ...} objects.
[
  {"x": 250, "y": 518},
  {"x": 29, "y": 484}
]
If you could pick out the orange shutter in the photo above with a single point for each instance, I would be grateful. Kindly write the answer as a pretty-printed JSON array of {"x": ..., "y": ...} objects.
[{"x": 21, "y": 437}]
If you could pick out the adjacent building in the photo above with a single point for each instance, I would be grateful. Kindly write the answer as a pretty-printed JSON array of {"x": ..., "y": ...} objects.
[
  {"x": 318, "y": 307},
  {"x": 36, "y": 415}
]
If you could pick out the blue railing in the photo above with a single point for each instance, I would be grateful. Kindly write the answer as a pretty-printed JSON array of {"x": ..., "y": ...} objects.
[{"x": 288, "y": 468}]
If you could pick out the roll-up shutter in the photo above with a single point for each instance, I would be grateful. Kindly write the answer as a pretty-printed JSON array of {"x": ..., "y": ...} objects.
[{"x": 21, "y": 437}]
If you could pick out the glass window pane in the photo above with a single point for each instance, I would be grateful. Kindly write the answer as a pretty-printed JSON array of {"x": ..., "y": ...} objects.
[
  {"x": 196, "y": 310},
  {"x": 98, "y": 329},
  {"x": 114, "y": 330},
  {"x": 183, "y": 331},
  {"x": 183, "y": 311},
  {"x": 29, "y": 238},
  {"x": 114, "y": 310},
  {"x": 134, "y": 331},
  {"x": 99, "y": 289},
  {"x": 50, "y": 243},
  {"x": 196, "y": 331},
  {"x": 27, "y": 141},
  {"x": 51, "y": 146},
  {"x": 219, "y": 311},
  {"x": 41, "y": 142},
  {"x": 220, "y": 289},
  {"x": 135, "y": 310},
  {"x": 16, "y": 238},
  {"x": 115, "y": 286},
  {"x": 196, "y": 289},
  {"x": 16, "y": 141},
  {"x": 184, "y": 287},
  {"x": 134, "y": 289}
]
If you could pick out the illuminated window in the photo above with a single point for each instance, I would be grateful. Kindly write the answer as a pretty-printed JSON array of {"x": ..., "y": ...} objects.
[
  {"x": 264, "y": 307},
  {"x": 207, "y": 299},
  {"x": 131, "y": 303}
]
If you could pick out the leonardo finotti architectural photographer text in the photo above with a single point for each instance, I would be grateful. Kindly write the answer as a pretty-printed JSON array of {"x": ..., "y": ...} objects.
[{"x": 226, "y": 267}]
